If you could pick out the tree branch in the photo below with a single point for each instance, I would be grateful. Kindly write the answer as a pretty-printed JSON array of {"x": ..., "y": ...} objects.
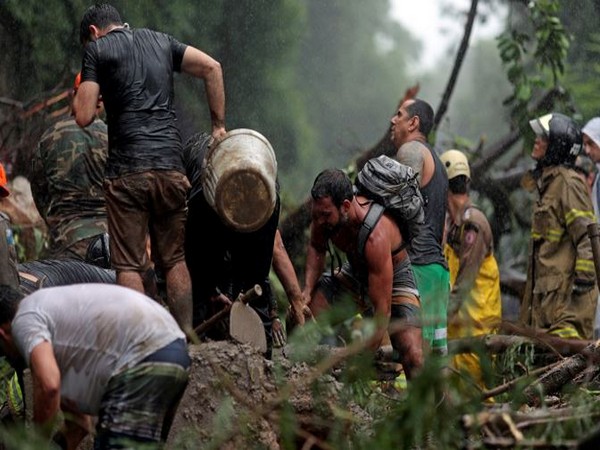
[{"x": 460, "y": 57}]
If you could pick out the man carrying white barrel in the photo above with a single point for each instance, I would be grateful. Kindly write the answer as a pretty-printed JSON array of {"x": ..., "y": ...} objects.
[{"x": 232, "y": 223}]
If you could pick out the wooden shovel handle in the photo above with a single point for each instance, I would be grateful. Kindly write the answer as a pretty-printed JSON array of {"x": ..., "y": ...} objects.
[
  {"x": 208, "y": 323},
  {"x": 245, "y": 298},
  {"x": 251, "y": 294}
]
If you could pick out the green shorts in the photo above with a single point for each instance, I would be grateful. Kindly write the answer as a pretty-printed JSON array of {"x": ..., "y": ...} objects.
[{"x": 433, "y": 281}]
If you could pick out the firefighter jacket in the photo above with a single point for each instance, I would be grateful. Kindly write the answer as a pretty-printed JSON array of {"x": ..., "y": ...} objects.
[{"x": 560, "y": 294}]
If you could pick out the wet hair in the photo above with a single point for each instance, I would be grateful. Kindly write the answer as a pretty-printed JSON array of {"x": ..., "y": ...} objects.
[
  {"x": 424, "y": 111},
  {"x": 9, "y": 302},
  {"x": 332, "y": 183},
  {"x": 459, "y": 184},
  {"x": 101, "y": 15}
]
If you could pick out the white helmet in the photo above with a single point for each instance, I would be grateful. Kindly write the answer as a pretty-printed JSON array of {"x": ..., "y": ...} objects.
[{"x": 456, "y": 163}]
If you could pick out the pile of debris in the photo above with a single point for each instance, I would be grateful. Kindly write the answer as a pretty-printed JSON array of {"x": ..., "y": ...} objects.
[{"x": 237, "y": 399}]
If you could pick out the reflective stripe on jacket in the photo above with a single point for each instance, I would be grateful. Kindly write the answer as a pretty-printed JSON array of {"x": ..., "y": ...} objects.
[{"x": 560, "y": 252}]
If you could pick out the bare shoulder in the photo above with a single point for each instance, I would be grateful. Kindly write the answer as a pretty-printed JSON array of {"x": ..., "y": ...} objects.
[
  {"x": 414, "y": 155},
  {"x": 412, "y": 149},
  {"x": 385, "y": 237}
]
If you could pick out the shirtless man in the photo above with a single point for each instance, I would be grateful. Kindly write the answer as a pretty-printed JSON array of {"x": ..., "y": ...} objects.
[{"x": 384, "y": 274}]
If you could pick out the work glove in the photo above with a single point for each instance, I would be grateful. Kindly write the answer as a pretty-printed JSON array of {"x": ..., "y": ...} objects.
[
  {"x": 279, "y": 338},
  {"x": 580, "y": 287}
]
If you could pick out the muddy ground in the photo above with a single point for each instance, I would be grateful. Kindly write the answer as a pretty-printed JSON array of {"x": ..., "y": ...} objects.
[{"x": 234, "y": 401}]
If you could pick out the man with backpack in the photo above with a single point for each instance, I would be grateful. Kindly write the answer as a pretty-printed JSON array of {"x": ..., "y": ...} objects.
[
  {"x": 379, "y": 279},
  {"x": 410, "y": 127}
]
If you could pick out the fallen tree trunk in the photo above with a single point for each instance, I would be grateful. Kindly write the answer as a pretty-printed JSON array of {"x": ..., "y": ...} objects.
[
  {"x": 498, "y": 343},
  {"x": 503, "y": 427},
  {"x": 458, "y": 62},
  {"x": 513, "y": 383},
  {"x": 565, "y": 372},
  {"x": 553, "y": 380}
]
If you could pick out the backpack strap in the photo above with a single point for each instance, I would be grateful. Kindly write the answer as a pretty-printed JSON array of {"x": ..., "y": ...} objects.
[{"x": 372, "y": 217}]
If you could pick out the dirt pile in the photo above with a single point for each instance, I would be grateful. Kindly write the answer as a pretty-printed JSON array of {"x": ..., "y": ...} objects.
[{"x": 237, "y": 399}]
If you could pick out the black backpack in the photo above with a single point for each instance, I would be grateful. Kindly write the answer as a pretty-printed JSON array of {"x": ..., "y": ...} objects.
[{"x": 394, "y": 188}]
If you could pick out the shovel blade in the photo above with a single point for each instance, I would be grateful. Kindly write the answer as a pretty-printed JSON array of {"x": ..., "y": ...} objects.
[{"x": 246, "y": 327}]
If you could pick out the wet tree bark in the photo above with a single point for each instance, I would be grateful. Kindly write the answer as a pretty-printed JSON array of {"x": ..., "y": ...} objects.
[{"x": 460, "y": 57}]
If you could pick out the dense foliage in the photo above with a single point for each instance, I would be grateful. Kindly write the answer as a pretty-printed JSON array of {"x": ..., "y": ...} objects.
[{"x": 319, "y": 79}]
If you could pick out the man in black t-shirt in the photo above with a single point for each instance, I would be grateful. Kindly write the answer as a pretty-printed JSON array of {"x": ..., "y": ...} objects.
[
  {"x": 145, "y": 184},
  {"x": 224, "y": 261}
]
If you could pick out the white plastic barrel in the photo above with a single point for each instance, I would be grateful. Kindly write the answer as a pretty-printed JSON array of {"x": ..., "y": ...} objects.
[{"x": 239, "y": 179}]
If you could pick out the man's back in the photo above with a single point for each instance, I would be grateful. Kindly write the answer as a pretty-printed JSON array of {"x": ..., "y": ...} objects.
[
  {"x": 95, "y": 330},
  {"x": 134, "y": 69},
  {"x": 68, "y": 168},
  {"x": 426, "y": 253},
  {"x": 426, "y": 247}
]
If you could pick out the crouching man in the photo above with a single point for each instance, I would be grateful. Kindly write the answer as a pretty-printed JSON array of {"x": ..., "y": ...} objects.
[
  {"x": 97, "y": 349},
  {"x": 382, "y": 271}
]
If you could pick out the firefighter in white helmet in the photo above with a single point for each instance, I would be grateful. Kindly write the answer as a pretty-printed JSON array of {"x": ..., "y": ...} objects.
[{"x": 561, "y": 293}]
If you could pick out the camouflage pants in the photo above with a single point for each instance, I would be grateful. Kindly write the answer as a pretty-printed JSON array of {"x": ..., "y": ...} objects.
[
  {"x": 138, "y": 406},
  {"x": 78, "y": 250}
]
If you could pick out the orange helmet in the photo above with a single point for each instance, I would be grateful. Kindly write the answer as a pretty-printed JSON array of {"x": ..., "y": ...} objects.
[
  {"x": 77, "y": 82},
  {"x": 4, "y": 192}
]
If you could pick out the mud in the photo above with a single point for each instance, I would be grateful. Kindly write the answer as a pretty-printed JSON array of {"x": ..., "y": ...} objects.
[{"x": 226, "y": 404}]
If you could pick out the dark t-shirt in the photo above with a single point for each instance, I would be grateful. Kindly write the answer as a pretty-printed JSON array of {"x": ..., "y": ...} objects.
[
  {"x": 134, "y": 69},
  {"x": 194, "y": 152}
]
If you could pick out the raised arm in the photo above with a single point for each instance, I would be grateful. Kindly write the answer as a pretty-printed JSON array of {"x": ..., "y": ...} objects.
[
  {"x": 201, "y": 65},
  {"x": 85, "y": 103}
]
